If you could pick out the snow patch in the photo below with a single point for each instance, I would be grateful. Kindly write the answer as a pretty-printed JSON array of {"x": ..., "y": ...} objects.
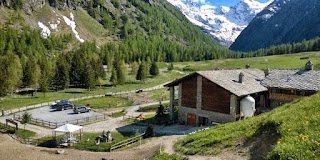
[
  {"x": 72, "y": 24},
  {"x": 45, "y": 32}
]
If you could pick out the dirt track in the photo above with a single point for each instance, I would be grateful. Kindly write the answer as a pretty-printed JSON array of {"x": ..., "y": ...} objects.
[{"x": 13, "y": 150}]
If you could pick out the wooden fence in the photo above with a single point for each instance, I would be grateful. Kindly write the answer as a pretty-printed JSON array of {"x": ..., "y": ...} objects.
[
  {"x": 126, "y": 142},
  {"x": 4, "y": 128},
  {"x": 49, "y": 124}
]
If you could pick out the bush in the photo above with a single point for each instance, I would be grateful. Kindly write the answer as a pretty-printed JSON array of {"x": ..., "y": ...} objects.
[
  {"x": 149, "y": 132},
  {"x": 26, "y": 118}
]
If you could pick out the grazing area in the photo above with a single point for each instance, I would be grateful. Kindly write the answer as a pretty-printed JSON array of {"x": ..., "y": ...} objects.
[
  {"x": 105, "y": 102},
  {"x": 288, "y": 132}
]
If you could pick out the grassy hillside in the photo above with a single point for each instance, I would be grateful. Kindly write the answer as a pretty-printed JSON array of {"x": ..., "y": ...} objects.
[{"x": 288, "y": 132}]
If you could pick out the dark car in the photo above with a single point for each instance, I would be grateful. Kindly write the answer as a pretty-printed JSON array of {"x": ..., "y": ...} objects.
[
  {"x": 62, "y": 105},
  {"x": 81, "y": 109}
]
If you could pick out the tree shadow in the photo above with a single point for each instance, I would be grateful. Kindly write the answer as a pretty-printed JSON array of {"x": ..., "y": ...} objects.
[{"x": 263, "y": 141}]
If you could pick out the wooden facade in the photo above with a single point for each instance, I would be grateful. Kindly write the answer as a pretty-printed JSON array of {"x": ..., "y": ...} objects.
[
  {"x": 287, "y": 95},
  {"x": 214, "y": 98},
  {"x": 189, "y": 92}
]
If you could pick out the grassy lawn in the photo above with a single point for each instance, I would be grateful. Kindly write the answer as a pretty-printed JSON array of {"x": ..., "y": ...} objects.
[
  {"x": 160, "y": 95},
  {"x": 292, "y": 130},
  {"x": 102, "y": 147},
  {"x": 88, "y": 141},
  {"x": 23, "y": 133},
  {"x": 105, "y": 102},
  {"x": 118, "y": 114},
  {"x": 162, "y": 156},
  {"x": 152, "y": 108}
]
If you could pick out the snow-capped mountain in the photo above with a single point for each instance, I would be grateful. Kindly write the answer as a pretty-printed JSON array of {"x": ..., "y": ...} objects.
[{"x": 222, "y": 22}]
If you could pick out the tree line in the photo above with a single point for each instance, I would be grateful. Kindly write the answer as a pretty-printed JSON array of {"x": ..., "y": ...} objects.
[{"x": 298, "y": 47}]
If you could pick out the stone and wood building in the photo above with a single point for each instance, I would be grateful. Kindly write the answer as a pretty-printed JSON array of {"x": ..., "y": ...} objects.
[
  {"x": 287, "y": 85},
  {"x": 208, "y": 97}
]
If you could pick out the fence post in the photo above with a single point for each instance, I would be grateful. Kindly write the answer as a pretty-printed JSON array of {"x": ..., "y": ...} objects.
[
  {"x": 42, "y": 123},
  {"x": 49, "y": 124},
  {"x": 56, "y": 125},
  {"x": 96, "y": 117},
  {"x": 104, "y": 116}
]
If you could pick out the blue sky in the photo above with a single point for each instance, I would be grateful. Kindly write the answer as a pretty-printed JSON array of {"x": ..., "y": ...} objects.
[{"x": 222, "y": 2}]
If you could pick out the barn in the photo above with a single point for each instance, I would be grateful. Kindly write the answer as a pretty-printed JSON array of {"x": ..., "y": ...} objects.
[
  {"x": 287, "y": 85},
  {"x": 208, "y": 97}
]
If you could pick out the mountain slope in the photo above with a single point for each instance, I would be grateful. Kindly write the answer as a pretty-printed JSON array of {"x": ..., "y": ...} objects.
[
  {"x": 288, "y": 132},
  {"x": 284, "y": 21},
  {"x": 141, "y": 29},
  {"x": 223, "y": 23}
]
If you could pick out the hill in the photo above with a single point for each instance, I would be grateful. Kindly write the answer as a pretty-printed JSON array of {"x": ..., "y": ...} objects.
[
  {"x": 288, "y": 132},
  {"x": 281, "y": 22},
  {"x": 148, "y": 28}
]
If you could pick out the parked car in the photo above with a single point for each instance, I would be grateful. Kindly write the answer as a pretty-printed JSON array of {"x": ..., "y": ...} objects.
[
  {"x": 81, "y": 109},
  {"x": 62, "y": 105}
]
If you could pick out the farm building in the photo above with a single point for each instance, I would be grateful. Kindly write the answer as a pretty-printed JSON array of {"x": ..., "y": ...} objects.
[
  {"x": 287, "y": 85},
  {"x": 207, "y": 97}
]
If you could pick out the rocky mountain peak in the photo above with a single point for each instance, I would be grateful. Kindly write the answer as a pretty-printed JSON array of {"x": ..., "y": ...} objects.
[{"x": 223, "y": 23}]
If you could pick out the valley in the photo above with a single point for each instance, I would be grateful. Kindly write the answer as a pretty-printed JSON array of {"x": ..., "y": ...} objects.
[{"x": 153, "y": 79}]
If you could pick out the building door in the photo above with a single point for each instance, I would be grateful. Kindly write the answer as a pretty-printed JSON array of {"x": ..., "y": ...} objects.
[{"x": 191, "y": 119}]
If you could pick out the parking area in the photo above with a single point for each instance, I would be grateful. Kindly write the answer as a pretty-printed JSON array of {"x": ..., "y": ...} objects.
[{"x": 52, "y": 115}]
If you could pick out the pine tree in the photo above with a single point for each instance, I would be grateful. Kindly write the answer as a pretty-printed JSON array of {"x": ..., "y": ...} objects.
[
  {"x": 142, "y": 72},
  {"x": 114, "y": 77},
  {"x": 134, "y": 68},
  {"x": 61, "y": 76},
  {"x": 121, "y": 72},
  {"x": 89, "y": 79},
  {"x": 154, "y": 69}
]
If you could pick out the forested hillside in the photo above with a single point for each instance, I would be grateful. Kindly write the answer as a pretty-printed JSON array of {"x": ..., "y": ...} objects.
[{"x": 40, "y": 49}]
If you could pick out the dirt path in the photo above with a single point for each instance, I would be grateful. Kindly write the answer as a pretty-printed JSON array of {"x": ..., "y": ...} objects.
[{"x": 11, "y": 149}]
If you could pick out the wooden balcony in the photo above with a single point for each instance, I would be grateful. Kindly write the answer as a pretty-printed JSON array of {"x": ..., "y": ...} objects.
[{"x": 283, "y": 97}]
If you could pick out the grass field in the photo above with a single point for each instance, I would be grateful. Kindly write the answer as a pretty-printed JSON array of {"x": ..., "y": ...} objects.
[
  {"x": 290, "y": 61},
  {"x": 105, "y": 102},
  {"x": 293, "y": 129}
]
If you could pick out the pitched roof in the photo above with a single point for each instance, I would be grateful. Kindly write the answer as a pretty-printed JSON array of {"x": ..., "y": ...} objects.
[
  {"x": 229, "y": 79},
  {"x": 293, "y": 79}
]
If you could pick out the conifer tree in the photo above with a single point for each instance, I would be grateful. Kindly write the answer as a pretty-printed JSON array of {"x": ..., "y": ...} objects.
[
  {"x": 114, "y": 76},
  {"x": 154, "y": 69},
  {"x": 142, "y": 72}
]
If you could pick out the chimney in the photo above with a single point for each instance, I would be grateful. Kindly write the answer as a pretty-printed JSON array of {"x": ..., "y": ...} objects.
[
  {"x": 266, "y": 72},
  {"x": 247, "y": 66},
  {"x": 241, "y": 77},
  {"x": 308, "y": 66}
]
